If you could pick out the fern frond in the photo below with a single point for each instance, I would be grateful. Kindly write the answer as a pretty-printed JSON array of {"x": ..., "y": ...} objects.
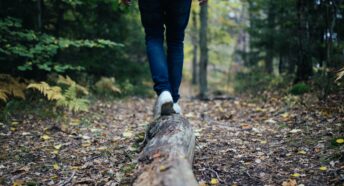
[
  {"x": 12, "y": 86},
  {"x": 340, "y": 74},
  {"x": 68, "y": 81},
  {"x": 107, "y": 84},
  {"x": 75, "y": 105},
  {"x": 3, "y": 95},
  {"x": 52, "y": 93}
]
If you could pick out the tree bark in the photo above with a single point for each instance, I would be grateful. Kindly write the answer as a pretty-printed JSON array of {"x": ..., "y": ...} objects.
[
  {"x": 195, "y": 48},
  {"x": 304, "y": 68},
  {"x": 203, "y": 83},
  {"x": 166, "y": 159},
  {"x": 270, "y": 38}
]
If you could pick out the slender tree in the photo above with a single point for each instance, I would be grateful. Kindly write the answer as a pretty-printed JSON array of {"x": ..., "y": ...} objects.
[
  {"x": 203, "y": 84},
  {"x": 195, "y": 48}
]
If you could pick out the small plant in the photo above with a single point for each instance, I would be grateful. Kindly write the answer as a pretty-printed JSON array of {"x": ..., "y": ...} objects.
[
  {"x": 51, "y": 92},
  {"x": 299, "y": 89},
  {"x": 11, "y": 86},
  {"x": 69, "y": 98},
  {"x": 107, "y": 85}
]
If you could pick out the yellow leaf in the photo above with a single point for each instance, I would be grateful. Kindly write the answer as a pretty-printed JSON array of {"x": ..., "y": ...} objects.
[
  {"x": 56, "y": 166},
  {"x": 75, "y": 167},
  {"x": 102, "y": 148},
  {"x": 55, "y": 151},
  {"x": 323, "y": 168},
  {"x": 340, "y": 140},
  {"x": 57, "y": 147},
  {"x": 263, "y": 142},
  {"x": 214, "y": 181},
  {"x": 296, "y": 175},
  {"x": 45, "y": 137},
  {"x": 75, "y": 122},
  {"x": 15, "y": 123},
  {"x": 302, "y": 152},
  {"x": 18, "y": 183},
  {"x": 13, "y": 129}
]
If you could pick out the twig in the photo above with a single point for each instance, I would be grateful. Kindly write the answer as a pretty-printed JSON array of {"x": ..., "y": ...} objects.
[
  {"x": 69, "y": 179},
  {"x": 217, "y": 175}
]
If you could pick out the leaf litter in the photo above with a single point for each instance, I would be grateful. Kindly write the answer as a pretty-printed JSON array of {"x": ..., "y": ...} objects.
[{"x": 239, "y": 142}]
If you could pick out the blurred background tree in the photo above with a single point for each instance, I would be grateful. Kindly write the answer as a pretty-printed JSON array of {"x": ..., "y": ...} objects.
[{"x": 232, "y": 46}]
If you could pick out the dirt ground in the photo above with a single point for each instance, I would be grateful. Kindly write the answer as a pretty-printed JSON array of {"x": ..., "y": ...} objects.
[{"x": 242, "y": 141}]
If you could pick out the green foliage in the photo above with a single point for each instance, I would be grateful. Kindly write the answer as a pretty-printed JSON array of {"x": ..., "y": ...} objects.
[
  {"x": 69, "y": 98},
  {"x": 300, "y": 88},
  {"x": 35, "y": 49},
  {"x": 257, "y": 80},
  {"x": 71, "y": 101}
]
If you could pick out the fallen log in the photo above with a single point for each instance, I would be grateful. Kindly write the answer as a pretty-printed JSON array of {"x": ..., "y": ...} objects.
[{"x": 166, "y": 159}]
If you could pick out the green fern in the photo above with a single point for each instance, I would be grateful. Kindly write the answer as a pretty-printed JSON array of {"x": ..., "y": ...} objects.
[
  {"x": 70, "y": 100},
  {"x": 69, "y": 82}
]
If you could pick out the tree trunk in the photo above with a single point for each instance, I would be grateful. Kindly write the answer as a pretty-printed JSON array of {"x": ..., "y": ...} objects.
[
  {"x": 270, "y": 40},
  {"x": 304, "y": 65},
  {"x": 166, "y": 159},
  {"x": 39, "y": 5},
  {"x": 195, "y": 48},
  {"x": 203, "y": 84}
]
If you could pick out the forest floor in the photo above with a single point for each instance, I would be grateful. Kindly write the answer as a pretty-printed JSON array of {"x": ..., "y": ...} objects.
[{"x": 277, "y": 141}]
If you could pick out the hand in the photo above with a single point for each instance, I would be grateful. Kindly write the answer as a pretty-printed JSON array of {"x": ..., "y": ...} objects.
[
  {"x": 203, "y": 2},
  {"x": 126, "y": 2}
]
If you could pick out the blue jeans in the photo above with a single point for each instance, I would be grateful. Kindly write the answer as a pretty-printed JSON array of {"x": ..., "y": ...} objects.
[{"x": 156, "y": 17}]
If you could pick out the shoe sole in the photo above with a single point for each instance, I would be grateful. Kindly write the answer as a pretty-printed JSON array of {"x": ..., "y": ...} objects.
[{"x": 167, "y": 109}]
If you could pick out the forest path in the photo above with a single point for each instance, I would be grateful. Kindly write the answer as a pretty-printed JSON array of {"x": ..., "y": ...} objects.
[{"x": 239, "y": 142}]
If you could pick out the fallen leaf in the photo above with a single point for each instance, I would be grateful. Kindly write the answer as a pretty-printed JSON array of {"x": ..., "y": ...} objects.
[
  {"x": 18, "y": 183},
  {"x": 323, "y": 168},
  {"x": 214, "y": 181},
  {"x": 127, "y": 134},
  {"x": 295, "y": 131},
  {"x": 56, "y": 166},
  {"x": 246, "y": 126},
  {"x": 263, "y": 142},
  {"x": 270, "y": 121},
  {"x": 45, "y": 137},
  {"x": 301, "y": 152},
  {"x": 57, "y": 147},
  {"x": 340, "y": 140},
  {"x": 296, "y": 175},
  {"x": 290, "y": 182},
  {"x": 75, "y": 122}
]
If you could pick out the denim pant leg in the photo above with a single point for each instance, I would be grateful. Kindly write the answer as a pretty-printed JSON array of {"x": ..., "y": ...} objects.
[
  {"x": 177, "y": 17},
  {"x": 152, "y": 18}
]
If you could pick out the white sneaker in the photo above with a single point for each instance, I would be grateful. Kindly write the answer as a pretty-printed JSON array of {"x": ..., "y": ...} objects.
[
  {"x": 177, "y": 109},
  {"x": 163, "y": 105}
]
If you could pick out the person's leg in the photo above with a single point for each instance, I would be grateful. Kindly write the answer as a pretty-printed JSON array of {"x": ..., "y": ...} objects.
[
  {"x": 152, "y": 18},
  {"x": 177, "y": 17}
]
